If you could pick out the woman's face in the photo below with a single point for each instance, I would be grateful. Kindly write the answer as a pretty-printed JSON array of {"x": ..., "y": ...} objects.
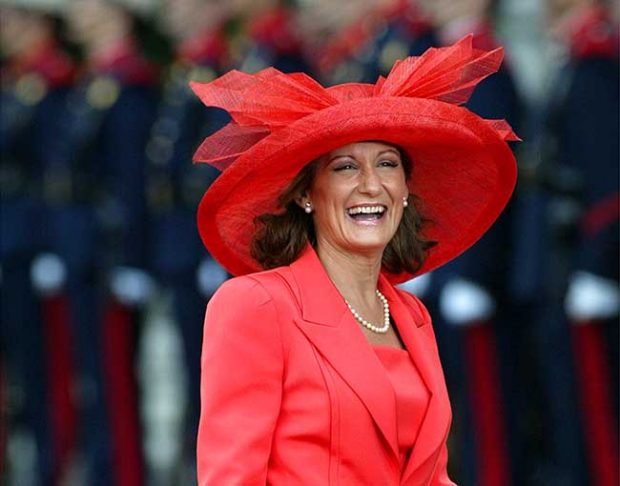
[{"x": 357, "y": 197}]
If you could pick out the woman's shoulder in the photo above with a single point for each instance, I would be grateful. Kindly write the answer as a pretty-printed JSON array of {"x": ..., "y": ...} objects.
[
  {"x": 237, "y": 297},
  {"x": 416, "y": 306},
  {"x": 255, "y": 289},
  {"x": 245, "y": 301}
]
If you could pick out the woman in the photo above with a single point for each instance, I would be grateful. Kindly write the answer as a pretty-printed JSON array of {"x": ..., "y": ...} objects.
[{"x": 320, "y": 371}]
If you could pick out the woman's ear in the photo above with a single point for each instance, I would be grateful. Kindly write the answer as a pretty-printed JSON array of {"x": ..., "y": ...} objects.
[{"x": 302, "y": 199}]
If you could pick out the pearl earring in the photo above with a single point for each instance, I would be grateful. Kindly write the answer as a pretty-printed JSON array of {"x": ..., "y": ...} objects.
[
  {"x": 405, "y": 202},
  {"x": 308, "y": 207}
]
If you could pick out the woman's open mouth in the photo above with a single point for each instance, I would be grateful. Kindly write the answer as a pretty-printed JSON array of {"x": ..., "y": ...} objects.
[{"x": 367, "y": 214}]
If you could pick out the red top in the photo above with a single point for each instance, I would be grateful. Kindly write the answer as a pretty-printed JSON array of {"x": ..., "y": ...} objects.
[{"x": 412, "y": 396}]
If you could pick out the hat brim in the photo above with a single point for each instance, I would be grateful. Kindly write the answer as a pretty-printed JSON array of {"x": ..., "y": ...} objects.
[{"x": 463, "y": 173}]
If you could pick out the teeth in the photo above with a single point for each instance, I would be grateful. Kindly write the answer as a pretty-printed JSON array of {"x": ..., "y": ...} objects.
[{"x": 366, "y": 210}]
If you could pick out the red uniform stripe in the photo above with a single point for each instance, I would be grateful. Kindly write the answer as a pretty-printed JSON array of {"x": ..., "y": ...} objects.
[
  {"x": 60, "y": 372},
  {"x": 594, "y": 385},
  {"x": 3, "y": 416},
  {"x": 118, "y": 350},
  {"x": 485, "y": 391},
  {"x": 601, "y": 215}
]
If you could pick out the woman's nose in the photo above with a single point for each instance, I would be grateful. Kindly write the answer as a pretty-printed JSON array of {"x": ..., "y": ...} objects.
[{"x": 370, "y": 183}]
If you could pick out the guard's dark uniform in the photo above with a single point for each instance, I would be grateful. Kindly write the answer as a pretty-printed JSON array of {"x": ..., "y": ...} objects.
[
  {"x": 477, "y": 350},
  {"x": 584, "y": 126},
  {"x": 96, "y": 215},
  {"x": 33, "y": 93},
  {"x": 177, "y": 257}
]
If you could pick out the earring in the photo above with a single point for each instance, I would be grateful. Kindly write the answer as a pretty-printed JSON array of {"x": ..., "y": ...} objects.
[
  {"x": 405, "y": 202},
  {"x": 308, "y": 207}
]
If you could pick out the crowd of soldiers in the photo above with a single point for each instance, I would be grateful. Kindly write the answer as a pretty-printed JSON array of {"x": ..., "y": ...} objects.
[{"x": 98, "y": 199}]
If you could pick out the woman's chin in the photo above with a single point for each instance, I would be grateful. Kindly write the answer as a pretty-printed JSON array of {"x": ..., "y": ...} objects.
[{"x": 366, "y": 246}]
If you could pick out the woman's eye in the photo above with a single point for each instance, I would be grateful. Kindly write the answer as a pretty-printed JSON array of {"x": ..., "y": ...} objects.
[
  {"x": 388, "y": 163},
  {"x": 345, "y": 166}
]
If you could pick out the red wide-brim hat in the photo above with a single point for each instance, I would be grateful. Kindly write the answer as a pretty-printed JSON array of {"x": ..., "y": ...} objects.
[{"x": 463, "y": 170}]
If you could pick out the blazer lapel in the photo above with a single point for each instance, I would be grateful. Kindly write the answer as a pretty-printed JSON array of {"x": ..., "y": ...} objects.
[
  {"x": 422, "y": 350},
  {"x": 328, "y": 324}
]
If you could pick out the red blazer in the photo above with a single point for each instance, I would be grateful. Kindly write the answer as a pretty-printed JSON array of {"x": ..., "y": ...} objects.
[{"x": 293, "y": 394}]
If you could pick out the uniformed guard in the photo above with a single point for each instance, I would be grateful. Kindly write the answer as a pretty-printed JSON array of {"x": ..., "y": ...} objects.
[
  {"x": 177, "y": 257},
  {"x": 37, "y": 75},
  {"x": 583, "y": 123},
  {"x": 475, "y": 332},
  {"x": 96, "y": 215}
]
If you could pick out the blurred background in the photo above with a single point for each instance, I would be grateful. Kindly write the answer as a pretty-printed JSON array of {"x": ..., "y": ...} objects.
[{"x": 104, "y": 280}]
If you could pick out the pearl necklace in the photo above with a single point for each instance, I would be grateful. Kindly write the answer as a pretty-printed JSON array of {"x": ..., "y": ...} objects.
[{"x": 386, "y": 315}]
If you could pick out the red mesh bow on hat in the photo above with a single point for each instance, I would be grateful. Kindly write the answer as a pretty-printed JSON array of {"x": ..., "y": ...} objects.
[{"x": 262, "y": 103}]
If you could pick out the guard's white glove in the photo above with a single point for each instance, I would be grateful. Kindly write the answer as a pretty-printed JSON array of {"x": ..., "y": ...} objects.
[
  {"x": 590, "y": 297},
  {"x": 209, "y": 276},
  {"x": 462, "y": 302},
  {"x": 131, "y": 286},
  {"x": 48, "y": 274},
  {"x": 417, "y": 286}
]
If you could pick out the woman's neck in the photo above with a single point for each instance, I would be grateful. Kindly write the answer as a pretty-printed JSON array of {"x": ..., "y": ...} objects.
[{"x": 355, "y": 275}]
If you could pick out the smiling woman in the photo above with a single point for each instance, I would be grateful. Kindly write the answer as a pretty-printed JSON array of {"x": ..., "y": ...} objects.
[
  {"x": 281, "y": 237},
  {"x": 315, "y": 368},
  {"x": 358, "y": 196}
]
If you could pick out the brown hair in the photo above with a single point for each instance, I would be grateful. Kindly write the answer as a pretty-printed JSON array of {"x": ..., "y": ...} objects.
[{"x": 280, "y": 238}]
